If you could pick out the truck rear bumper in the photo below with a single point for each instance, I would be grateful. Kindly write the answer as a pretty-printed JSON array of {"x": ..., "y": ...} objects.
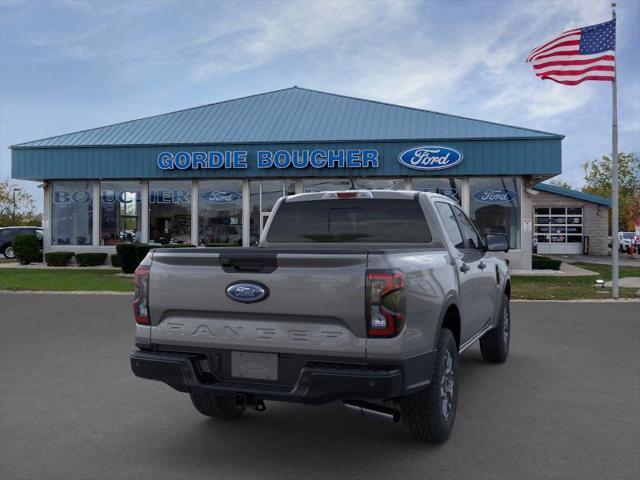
[{"x": 317, "y": 383}]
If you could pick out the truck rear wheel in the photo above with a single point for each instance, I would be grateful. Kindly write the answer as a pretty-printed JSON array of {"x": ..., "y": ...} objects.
[
  {"x": 216, "y": 406},
  {"x": 430, "y": 413},
  {"x": 494, "y": 345}
]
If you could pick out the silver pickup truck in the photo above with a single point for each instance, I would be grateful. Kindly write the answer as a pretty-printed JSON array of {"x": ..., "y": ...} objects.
[{"x": 366, "y": 297}]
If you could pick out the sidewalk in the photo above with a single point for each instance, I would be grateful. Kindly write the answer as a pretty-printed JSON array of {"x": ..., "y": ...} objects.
[
  {"x": 566, "y": 270},
  {"x": 624, "y": 259},
  {"x": 44, "y": 266}
]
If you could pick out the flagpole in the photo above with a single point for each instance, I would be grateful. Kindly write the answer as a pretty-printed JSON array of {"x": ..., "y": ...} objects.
[{"x": 614, "y": 176}]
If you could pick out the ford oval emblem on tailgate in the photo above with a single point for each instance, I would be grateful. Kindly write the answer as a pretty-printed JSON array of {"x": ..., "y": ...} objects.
[{"x": 247, "y": 292}]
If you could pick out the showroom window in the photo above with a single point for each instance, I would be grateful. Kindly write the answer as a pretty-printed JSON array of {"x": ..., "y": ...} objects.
[
  {"x": 329, "y": 184},
  {"x": 169, "y": 212},
  {"x": 264, "y": 195},
  {"x": 72, "y": 213},
  {"x": 220, "y": 212},
  {"x": 380, "y": 183},
  {"x": 449, "y": 187},
  {"x": 325, "y": 184},
  {"x": 494, "y": 206},
  {"x": 119, "y": 212}
]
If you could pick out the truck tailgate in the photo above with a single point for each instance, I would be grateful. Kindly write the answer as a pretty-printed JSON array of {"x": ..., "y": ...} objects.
[{"x": 315, "y": 303}]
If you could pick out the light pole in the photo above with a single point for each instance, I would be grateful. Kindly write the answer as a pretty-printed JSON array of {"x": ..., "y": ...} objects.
[{"x": 14, "y": 203}]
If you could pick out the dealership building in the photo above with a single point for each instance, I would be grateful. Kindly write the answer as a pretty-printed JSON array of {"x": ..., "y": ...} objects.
[{"x": 210, "y": 175}]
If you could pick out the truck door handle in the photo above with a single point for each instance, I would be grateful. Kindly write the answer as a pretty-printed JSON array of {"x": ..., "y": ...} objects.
[
  {"x": 465, "y": 268},
  {"x": 482, "y": 265}
]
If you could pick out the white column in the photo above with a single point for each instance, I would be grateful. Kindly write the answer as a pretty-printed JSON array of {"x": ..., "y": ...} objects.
[
  {"x": 246, "y": 212},
  {"x": 526, "y": 212},
  {"x": 465, "y": 193},
  {"x": 46, "y": 216},
  {"x": 144, "y": 211},
  {"x": 96, "y": 214},
  {"x": 408, "y": 183},
  {"x": 194, "y": 212},
  {"x": 299, "y": 187}
]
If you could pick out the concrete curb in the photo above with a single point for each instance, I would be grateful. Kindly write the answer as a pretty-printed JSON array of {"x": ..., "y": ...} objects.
[
  {"x": 579, "y": 300},
  {"x": 50, "y": 292}
]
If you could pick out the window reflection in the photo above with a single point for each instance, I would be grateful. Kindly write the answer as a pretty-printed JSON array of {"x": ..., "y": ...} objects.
[
  {"x": 220, "y": 212},
  {"x": 170, "y": 212},
  {"x": 119, "y": 212},
  {"x": 72, "y": 213},
  {"x": 494, "y": 206}
]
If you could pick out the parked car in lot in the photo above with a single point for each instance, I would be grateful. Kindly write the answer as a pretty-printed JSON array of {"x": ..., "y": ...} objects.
[
  {"x": 367, "y": 297},
  {"x": 7, "y": 234},
  {"x": 625, "y": 240}
]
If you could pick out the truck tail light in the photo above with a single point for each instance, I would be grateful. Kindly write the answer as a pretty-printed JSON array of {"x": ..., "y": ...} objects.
[
  {"x": 141, "y": 296},
  {"x": 385, "y": 308}
]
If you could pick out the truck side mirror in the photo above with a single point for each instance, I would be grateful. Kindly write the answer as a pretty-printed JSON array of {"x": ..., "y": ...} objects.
[{"x": 497, "y": 242}]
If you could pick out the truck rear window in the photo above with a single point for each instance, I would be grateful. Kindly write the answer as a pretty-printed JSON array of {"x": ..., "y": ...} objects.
[{"x": 367, "y": 220}]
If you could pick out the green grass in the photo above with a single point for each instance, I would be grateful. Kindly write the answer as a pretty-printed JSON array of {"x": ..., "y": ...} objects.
[
  {"x": 570, "y": 288},
  {"x": 64, "y": 280},
  {"x": 530, "y": 288}
]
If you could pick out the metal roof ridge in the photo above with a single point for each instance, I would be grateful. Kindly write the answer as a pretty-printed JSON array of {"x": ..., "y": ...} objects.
[
  {"x": 424, "y": 110},
  {"x": 29, "y": 144},
  {"x": 26, "y": 144}
]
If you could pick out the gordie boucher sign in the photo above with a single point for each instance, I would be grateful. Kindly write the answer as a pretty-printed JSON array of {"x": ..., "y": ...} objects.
[{"x": 417, "y": 158}]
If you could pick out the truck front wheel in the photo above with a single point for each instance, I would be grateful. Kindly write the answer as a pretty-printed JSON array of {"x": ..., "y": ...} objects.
[
  {"x": 494, "y": 345},
  {"x": 217, "y": 406},
  {"x": 430, "y": 413}
]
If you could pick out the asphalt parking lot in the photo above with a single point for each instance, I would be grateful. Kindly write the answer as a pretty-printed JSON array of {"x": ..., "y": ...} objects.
[{"x": 566, "y": 405}]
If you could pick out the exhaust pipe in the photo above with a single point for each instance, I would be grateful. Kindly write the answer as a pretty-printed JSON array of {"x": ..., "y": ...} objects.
[{"x": 372, "y": 410}]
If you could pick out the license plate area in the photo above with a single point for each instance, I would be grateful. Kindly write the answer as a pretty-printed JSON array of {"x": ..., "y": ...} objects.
[{"x": 253, "y": 365}]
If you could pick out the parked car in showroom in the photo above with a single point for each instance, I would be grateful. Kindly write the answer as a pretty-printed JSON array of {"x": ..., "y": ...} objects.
[
  {"x": 364, "y": 297},
  {"x": 7, "y": 234}
]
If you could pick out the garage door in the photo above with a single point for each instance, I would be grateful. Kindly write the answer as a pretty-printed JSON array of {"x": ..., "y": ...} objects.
[{"x": 558, "y": 229}]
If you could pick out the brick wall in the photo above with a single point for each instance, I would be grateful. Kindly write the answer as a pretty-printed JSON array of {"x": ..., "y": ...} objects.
[{"x": 595, "y": 226}]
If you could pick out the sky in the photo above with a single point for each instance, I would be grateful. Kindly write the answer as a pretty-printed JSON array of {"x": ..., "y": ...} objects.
[{"x": 72, "y": 65}]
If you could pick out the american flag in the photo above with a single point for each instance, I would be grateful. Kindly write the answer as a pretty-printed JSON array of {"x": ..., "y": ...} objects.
[{"x": 587, "y": 53}]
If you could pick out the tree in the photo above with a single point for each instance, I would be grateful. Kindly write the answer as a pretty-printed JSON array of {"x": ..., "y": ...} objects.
[
  {"x": 25, "y": 207},
  {"x": 597, "y": 179}
]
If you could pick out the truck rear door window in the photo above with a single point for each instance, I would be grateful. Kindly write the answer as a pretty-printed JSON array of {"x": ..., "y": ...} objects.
[{"x": 350, "y": 220}]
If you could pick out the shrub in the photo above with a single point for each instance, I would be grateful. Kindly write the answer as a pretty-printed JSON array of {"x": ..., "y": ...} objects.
[
  {"x": 141, "y": 252},
  {"x": 58, "y": 259},
  {"x": 27, "y": 248},
  {"x": 115, "y": 260},
  {"x": 545, "y": 263},
  {"x": 90, "y": 259},
  {"x": 127, "y": 256},
  {"x": 216, "y": 245}
]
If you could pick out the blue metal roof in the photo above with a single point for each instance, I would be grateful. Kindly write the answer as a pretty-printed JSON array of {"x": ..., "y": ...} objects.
[
  {"x": 565, "y": 192},
  {"x": 291, "y": 115}
]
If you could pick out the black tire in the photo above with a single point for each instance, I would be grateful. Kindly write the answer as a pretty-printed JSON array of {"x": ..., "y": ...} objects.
[
  {"x": 426, "y": 414},
  {"x": 494, "y": 345},
  {"x": 216, "y": 407},
  {"x": 8, "y": 252}
]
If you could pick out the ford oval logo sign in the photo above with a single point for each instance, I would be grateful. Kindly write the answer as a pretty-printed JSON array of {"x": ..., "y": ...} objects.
[
  {"x": 430, "y": 158},
  {"x": 220, "y": 197},
  {"x": 495, "y": 195},
  {"x": 247, "y": 292}
]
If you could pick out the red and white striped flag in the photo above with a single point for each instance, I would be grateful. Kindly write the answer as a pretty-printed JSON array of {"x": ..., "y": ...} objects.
[{"x": 587, "y": 53}]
